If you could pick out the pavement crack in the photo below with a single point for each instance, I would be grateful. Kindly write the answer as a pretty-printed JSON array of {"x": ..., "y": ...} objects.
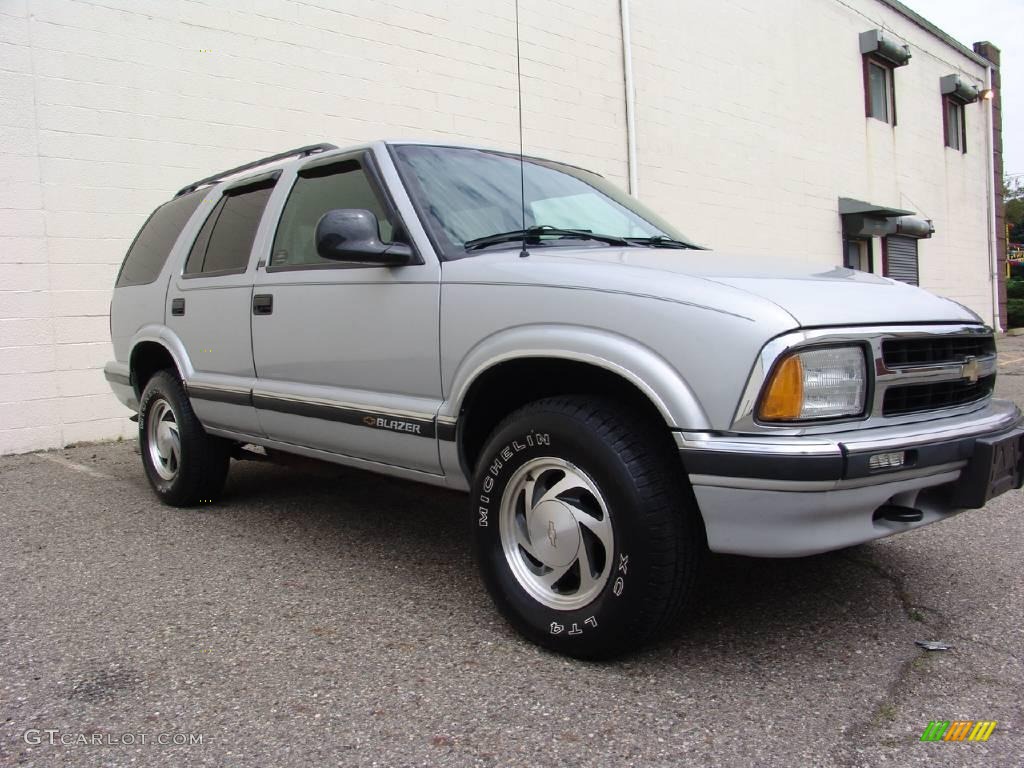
[
  {"x": 914, "y": 611},
  {"x": 887, "y": 705}
]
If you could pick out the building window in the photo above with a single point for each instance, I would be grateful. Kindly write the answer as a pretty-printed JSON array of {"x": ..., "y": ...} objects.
[
  {"x": 881, "y": 58},
  {"x": 956, "y": 94},
  {"x": 956, "y": 135},
  {"x": 899, "y": 258},
  {"x": 858, "y": 254},
  {"x": 880, "y": 96}
]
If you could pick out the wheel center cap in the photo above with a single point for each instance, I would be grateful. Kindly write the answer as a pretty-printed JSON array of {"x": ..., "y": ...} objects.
[{"x": 554, "y": 533}]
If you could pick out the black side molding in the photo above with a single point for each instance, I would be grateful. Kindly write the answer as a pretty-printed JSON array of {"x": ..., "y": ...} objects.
[
  {"x": 374, "y": 420},
  {"x": 763, "y": 466},
  {"x": 409, "y": 425},
  {"x": 220, "y": 395}
]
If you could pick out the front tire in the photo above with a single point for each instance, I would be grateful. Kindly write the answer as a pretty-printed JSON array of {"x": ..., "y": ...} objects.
[
  {"x": 184, "y": 465},
  {"x": 587, "y": 536}
]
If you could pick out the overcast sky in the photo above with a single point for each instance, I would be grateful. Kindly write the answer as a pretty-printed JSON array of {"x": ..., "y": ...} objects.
[{"x": 1002, "y": 23}]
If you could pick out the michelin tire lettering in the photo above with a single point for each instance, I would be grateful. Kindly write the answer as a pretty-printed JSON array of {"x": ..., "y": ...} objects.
[{"x": 512, "y": 448}]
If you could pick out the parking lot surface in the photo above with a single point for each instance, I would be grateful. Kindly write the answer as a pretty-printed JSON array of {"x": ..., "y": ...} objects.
[{"x": 323, "y": 616}]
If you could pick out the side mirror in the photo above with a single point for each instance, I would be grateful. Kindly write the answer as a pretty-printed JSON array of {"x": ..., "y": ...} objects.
[{"x": 353, "y": 234}]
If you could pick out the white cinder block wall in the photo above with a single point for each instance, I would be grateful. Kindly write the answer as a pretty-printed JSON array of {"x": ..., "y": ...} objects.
[{"x": 750, "y": 125}]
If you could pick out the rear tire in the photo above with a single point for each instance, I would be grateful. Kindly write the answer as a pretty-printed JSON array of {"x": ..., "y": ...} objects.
[
  {"x": 587, "y": 535},
  {"x": 184, "y": 465}
]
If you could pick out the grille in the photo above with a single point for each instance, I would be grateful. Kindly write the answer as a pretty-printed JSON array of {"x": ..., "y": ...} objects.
[
  {"x": 913, "y": 398},
  {"x": 899, "y": 353}
]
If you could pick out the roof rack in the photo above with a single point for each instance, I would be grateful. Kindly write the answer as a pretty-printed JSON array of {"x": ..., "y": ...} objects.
[{"x": 311, "y": 149}]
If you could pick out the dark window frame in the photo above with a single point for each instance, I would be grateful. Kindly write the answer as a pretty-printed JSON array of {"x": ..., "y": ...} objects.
[
  {"x": 890, "y": 80},
  {"x": 949, "y": 101},
  {"x": 368, "y": 164},
  {"x": 263, "y": 181}
]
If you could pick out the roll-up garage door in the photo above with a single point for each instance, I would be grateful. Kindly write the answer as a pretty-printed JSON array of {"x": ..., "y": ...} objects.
[{"x": 901, "y": 258}]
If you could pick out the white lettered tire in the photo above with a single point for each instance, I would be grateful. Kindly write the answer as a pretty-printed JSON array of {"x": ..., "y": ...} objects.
[
  {"x": 586, "y": 533},
  {"x": 184, "y": 465}
]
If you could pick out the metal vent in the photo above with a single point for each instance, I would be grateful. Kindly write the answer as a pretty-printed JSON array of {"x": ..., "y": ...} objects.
[{"x": 901, "y": 259}]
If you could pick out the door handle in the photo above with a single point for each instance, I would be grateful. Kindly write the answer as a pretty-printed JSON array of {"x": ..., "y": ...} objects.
[
  {"x": 263, "y": 304},
  {"x": 177, "y": 307}
]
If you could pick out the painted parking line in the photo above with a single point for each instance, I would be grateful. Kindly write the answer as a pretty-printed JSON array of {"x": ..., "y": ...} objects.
[
  {"x": 75, "y": 466},
  {"x": 1011, "y": 362}
]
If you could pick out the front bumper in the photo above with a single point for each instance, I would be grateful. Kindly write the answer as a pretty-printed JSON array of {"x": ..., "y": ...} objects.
[{"x": 790, "y": 496}]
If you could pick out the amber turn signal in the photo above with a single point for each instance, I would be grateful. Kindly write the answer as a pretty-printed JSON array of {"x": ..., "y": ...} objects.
[{"x": 784, "y": 396}]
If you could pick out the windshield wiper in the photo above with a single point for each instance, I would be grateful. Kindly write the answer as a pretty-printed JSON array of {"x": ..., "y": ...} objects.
[
  {"x": 533, "y": 235},
  {"x": 660, "y": 241}
]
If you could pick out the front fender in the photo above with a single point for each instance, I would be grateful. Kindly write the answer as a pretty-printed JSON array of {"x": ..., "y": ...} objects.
[{"x": 667, "y": 390}]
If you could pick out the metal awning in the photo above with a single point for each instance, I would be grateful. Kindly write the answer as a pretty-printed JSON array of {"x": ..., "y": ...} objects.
[
  {"x": 847, "y": 206},
  {"x": 862, "y": 219}
]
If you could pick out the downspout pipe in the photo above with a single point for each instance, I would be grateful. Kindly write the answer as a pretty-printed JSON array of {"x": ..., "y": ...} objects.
[
  {"x": 627, "y": 76},
  {"x": 993, "y": 236}
]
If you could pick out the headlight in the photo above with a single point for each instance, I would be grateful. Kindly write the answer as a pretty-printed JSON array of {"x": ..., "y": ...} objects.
[{"x": 820, "y": 383}]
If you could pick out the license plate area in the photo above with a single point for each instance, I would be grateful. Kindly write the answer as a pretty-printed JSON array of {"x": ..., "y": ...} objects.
[{"x": 995, "y": 468}]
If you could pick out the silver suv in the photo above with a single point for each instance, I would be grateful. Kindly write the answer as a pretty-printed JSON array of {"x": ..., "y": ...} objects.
[{"x": 616, "y": 399}]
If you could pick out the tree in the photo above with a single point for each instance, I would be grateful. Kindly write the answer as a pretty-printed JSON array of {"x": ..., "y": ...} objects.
[{"x": 1013, "y": 196}]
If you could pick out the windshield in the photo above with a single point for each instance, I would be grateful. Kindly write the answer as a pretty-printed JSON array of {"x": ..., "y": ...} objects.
[{"x": 466, "y": 195}]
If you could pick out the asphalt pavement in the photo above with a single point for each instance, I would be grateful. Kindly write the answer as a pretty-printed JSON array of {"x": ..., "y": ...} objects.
[{"x": 321, "y": 617}]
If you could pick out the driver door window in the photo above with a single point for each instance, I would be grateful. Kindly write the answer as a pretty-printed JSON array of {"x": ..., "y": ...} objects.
[{"x": 317, "y": 190}]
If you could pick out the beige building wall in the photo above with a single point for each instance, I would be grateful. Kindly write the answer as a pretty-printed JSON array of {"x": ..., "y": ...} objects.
[
  {"x": 750, "y": 125},
  {"x": 107, "y": 108}
]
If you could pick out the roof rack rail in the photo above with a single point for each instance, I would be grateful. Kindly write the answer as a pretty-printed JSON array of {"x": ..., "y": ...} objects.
[{"x": 311, "y": 149}]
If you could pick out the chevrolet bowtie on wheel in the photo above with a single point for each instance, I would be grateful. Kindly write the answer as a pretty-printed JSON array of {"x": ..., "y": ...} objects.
[{"x": 616, "y": 399}]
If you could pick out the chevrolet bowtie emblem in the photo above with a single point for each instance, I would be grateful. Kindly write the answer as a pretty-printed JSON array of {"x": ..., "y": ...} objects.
[
  {"x": 552, "y": 534},
  {"x": 970, "y": 370}
]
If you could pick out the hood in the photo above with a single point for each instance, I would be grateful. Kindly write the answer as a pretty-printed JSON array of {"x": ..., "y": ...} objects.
[{"x": 813, "y": 295}]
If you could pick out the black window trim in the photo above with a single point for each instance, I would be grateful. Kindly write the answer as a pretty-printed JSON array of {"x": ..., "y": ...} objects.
[
  {"x": 250, "y": 184},
  {"x": 366, "y": 161}
]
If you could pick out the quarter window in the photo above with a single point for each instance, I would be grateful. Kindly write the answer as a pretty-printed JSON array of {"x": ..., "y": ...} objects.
[
  {"x": 343, "y": 184},
  {"x": 153, "y": 244},
  {"x": 225, "y": 241}
]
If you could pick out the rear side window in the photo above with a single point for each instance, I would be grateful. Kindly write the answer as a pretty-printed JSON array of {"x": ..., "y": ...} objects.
[
  {"x": 225, "y": 241},
  {"x": 149, "y": 251}
]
